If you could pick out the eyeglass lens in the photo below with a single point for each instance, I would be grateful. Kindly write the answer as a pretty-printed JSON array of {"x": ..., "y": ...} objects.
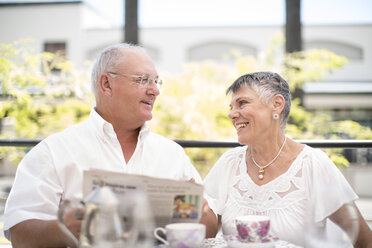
[{"x": 146, "y": 82}]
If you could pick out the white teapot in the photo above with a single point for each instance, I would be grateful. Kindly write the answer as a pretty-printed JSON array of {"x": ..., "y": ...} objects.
[{"x": 101, "y": 226}]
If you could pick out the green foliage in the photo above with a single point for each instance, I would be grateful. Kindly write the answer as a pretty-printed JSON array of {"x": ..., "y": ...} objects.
[
  {"x": 193, "y": 105},
  {"x": 35, "y": 100},
  {"x": 309, "y": 66}
]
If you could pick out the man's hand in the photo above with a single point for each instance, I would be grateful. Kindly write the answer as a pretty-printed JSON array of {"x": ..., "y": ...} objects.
[
  {"x": 192, "y": 180},
  {"x": 73, "y": 220}
]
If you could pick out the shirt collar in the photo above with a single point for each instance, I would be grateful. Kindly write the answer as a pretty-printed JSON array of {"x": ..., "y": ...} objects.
[
  {"x": 144, "y": 132},
  {"x": 105, "y": 129}
]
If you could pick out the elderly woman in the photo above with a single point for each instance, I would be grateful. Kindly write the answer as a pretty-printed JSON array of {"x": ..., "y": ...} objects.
[{"x": 297, "y": 186}]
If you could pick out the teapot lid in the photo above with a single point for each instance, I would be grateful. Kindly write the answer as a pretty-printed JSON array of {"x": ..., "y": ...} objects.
[{"x": 102, "y": 195}]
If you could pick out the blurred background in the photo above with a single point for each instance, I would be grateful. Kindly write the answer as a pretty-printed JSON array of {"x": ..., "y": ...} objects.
[{"x": 322, "y": 48}]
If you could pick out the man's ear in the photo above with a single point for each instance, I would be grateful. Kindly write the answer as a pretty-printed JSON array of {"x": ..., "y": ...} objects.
[
  {"x": 104, "y": 84},
  {"x": 278, "y": 102}
]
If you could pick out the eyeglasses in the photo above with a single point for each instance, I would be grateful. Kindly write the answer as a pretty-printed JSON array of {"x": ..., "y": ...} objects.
[{"x": 143, "y": 81}]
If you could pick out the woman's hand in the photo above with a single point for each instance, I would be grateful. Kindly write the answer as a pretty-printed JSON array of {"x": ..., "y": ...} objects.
[{"x": 210, "y": 220}]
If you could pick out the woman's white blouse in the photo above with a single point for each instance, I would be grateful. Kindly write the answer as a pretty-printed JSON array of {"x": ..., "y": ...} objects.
[{"x": 304, "y": 196}]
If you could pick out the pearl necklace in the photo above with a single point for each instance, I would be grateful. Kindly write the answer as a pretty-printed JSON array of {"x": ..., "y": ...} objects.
[{"x": 261, "y": 170}]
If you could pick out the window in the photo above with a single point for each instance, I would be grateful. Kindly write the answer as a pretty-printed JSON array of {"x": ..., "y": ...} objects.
[
  {"x": 349, "y": 51},
  {"x": 58, "y": 48},
  {"x": 218, "y": 50}
]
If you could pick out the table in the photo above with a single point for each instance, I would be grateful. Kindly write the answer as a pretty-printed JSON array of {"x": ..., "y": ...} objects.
[{"x": 219, "y": 242}]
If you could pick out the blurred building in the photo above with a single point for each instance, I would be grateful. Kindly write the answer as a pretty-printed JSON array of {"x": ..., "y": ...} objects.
[{"x": 81, "y": 31}]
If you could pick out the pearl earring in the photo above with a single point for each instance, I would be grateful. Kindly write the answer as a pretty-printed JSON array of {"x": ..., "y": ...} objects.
[{"x": 275, "y": 116}]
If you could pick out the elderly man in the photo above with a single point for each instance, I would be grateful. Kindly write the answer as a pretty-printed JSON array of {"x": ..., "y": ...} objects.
[{"x": 114, "y": 137}]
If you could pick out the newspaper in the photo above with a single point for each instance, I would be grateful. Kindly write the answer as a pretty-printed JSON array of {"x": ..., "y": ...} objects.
[{"x": 170, "y": 201}]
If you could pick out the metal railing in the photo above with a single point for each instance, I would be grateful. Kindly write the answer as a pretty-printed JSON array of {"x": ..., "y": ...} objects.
[{"x": 220, "y": 144}]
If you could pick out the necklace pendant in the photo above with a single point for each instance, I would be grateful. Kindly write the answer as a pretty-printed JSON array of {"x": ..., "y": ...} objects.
[{"x": 261, "y": 173}]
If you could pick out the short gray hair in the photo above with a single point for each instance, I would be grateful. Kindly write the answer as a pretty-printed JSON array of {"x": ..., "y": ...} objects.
[
  {"x": 266, "y": 85},
  {"x": 110, "y": 58}
]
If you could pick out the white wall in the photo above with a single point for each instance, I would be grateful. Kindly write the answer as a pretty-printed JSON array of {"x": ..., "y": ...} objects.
[
  {"x": 356, "y": 35},
  {"x": 174, "y": 43},
  {"x": 44, "y": 23},
  {"x": 170, "y": 47}
]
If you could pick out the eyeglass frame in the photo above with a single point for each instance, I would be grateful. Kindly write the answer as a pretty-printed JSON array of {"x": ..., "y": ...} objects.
[{"x": 158, "y": 82}]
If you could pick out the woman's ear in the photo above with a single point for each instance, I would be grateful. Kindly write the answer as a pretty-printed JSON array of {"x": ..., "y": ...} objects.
[
  {"x": 278, "y": 102},
  {"x": 104, "y": 84}
]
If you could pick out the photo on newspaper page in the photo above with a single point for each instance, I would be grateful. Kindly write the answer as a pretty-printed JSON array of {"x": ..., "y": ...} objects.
[{"x": 170, "y": 201}]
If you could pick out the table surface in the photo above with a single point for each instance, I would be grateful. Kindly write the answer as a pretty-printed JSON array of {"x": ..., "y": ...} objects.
[
  {"x": 219, "y": 242},
  {"x": 209, "y": 243}
]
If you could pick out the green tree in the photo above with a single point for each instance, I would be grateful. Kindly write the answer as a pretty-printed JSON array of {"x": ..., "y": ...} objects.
[
  {"x": 36, "y": 100},
  {"x": 192, "y": 105}
]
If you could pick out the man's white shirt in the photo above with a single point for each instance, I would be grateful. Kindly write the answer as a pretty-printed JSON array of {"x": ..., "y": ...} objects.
[{"x": 53, "y": 170}]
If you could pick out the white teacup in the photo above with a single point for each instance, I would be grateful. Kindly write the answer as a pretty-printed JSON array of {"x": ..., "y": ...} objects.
[
  {"x": 182, "y": 235},
  {"x": 252, "y": 228}
]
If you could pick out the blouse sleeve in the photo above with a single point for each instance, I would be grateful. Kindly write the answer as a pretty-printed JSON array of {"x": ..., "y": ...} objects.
[
  {"x": 216, "y": 183},
  {"x": 329, "y": 189}
]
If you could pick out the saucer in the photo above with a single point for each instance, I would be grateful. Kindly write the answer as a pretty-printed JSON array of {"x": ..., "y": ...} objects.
[{"x": 235, "y": 242}]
